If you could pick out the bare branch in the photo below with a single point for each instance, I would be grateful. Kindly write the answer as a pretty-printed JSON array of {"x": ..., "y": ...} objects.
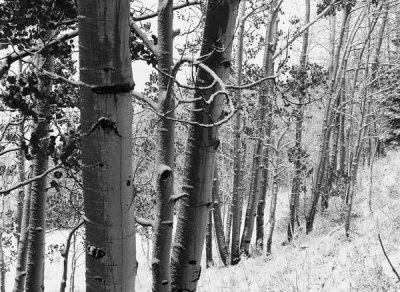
[
  {"x": 9, "y": 150},
  {"x": 154, "y": 105},
  {"x": 144, "y": 222},
  {"x": 175, "y": 198},
  {"x": 387, "y": 257},
  {"x": 7, "y": 191},
  {"x": 255, "y": 83},
  {"x": 149, "y": 44}
]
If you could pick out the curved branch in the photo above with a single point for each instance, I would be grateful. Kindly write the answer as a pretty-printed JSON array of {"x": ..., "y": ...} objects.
[
  {"x": 249, "y": 85},
  {"x": 154, "y": 105},
  {"x": 7, "y": 191},
  {"x": 9, "y": 150},
  {"x": 144, "y": 222},
  {"x": 387, "y": 257}
]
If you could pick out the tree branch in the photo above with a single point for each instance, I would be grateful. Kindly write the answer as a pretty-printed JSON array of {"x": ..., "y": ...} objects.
[
  {"x": 149, "y": 44},
  {"x": 249, "y": 85},
  {"x": 9, "y": 150},
  {"x": 387, "y": 257},
  {"x": 175, "y": 198},
  {"x": 144, "y": 222},
  {"x": 154, "y": 105},
  {"x": 7, "y": 191}
]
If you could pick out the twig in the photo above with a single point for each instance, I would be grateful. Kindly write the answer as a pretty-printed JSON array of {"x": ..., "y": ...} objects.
[
  {"x": 249, "y": 85},
  {"x": 7, "y": 191},
  {"x": 384, "y": 252},
  {"x": 9, "y": 150},
  {"x": 175, "y": 198}
]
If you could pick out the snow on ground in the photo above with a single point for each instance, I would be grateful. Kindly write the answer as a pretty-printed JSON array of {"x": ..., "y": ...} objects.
[{"x": 322, "y": 261}]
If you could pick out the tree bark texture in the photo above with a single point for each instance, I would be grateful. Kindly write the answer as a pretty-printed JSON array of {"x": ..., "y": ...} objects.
[
  {"x": 218, "y": 224},
  {"x": 21, "y": 171},
  {"x": 106, "y": 118},
  {"x": 236, "y": 205},
  {"x": 2, "y": 267},
  {"x": 39, "y": 164},
  {"x": 202, "y": 144},
  {"x": 21, "y": 174},
  {"x": 298, "y": 153},
  {"x": 209, "y": 232},
  {"x": 272, "y": 211},
  {"x": 264, "y": 186},
  {"x": 254, "y": 193},
  {"x": 267, "y": 90},
  {"x": 165, "y": 154},
  {"x": 22, "y": 250}
]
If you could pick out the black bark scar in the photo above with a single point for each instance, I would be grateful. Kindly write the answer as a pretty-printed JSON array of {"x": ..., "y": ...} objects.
[
  {"x": 104, "y": 123},
  {"x": 113, "y": 89}
]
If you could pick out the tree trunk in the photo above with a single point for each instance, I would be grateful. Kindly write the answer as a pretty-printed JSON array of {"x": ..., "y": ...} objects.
[
  {"x": 21, "y": 174},
  {"x": 237, "y": 166},
  {"x": 318, "y": 184},
  {"x": 332, "y": 42},
  {"x": 228, "y": 227},
  {"x": 21, "y": 171},
  {"x": 202, "y": 145},
  {"x": 252, "y": 203},
  {"x": 22, "y": 249},
  {"x": 106, "y": 119},
  {"x": 298, "y": 153},
  {"x": 209, "y": 232},
  {"x": 219, "y": 231},
  {"x": 268, "y": 89},
  {"x": 2, "y": 266},
  {"x": 272, "y": 210},
  {"x": 373, "y": 139},
  {"x": 39, "y": 164},
  {"x": 342, "y": 129},
  {"x": 365, "y": 113},
  {"x": 251, "y": 211},
  {"x": 165, "y": 154},
  {"x": 73, "y": 265},
  {"x": 65, "y": 255},
  {"x": 264, "y": 186}
]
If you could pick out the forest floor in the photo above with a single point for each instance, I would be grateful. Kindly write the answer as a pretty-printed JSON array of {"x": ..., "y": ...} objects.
[{"x": 324, "y": 260}]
